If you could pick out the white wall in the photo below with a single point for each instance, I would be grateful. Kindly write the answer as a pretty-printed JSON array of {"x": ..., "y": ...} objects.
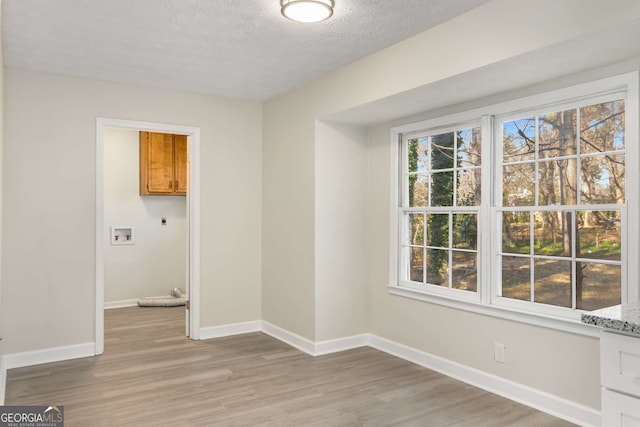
[
  {"x": 495, "y": 37},
  {"x": 48, "y": 253},
  {"x": 288, "y": 273},
  {"x": 340, "y": 230},
  {"x": 156, "y": 261},
  {"x": 479, "y": 54}
]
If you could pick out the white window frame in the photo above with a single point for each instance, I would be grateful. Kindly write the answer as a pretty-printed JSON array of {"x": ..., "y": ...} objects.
[
  {"x": 497, "y": 207},
  {"x": 435, "y": 289},
  {"x": 487, "y": 301}
]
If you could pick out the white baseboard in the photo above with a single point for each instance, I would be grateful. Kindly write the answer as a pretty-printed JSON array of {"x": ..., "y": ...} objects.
[
  {"x": 120, "y": 304},
  {"x": 294, "y": 340},
  {"x": 56, "y": 354},
  {"x": 3, "y": 380},
  {"x": 341, "y": 344},
  {"x": 230, "y": 329},
  {"x": 540, "y": 400},
  {"x": 315, "y": 348}
]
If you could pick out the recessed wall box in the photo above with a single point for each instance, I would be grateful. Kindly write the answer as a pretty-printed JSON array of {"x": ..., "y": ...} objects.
[{"x": 121, "y": 235}]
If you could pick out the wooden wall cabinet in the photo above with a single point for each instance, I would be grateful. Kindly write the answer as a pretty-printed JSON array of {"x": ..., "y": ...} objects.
[{"x": 163, "y": 164}]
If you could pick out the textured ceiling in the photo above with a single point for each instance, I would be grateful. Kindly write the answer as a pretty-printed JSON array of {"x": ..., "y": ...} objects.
[{"x": 234, "y": 48}]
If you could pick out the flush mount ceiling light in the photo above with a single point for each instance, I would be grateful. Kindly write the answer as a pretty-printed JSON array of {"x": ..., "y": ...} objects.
[{"x": 307, "y": 10}]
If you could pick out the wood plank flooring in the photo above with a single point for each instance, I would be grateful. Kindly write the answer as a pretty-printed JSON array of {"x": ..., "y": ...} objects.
[{"x": 151, "y": 375}]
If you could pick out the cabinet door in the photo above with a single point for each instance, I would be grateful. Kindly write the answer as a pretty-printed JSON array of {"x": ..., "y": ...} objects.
[
  {"x": 156, "y": 163},
  {"x": 620, "y": 362},
  {"x": 181, "y": 168},
  {"x": 620, "y": 410}
]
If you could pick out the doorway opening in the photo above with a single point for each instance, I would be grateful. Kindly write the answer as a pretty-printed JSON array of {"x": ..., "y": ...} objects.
[{"x": 192, "y": 219}]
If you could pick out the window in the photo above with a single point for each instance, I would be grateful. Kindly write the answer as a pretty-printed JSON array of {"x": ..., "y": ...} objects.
[
  {"x": 440, "y": 204},
  {"x": 562, "y": 181},
  {"x": 523, "y": 205}
]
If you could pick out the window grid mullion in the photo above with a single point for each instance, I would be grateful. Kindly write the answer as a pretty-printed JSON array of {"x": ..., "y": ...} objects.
[
  {"x": 532, "y": 281},
  {"x": 578, "y": 160},
  {"x": 574, "y": 265},
  {"x": 429, "y": 172},
  {"x": 536, "y": 156},
  {"x": 404, "y": 202},
  {"x": 450, "y": 250},
  {"x": 424, "y": 247},
  {"x": 454, "y": 171}
]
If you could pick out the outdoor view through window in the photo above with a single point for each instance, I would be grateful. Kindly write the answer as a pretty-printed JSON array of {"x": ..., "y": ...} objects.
[
  {"x": 561, "y": 232},
  {"x": 443, "y": 192}
]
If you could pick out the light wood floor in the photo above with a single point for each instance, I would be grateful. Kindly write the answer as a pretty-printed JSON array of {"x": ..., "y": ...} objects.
[{"x": 151, "y": 375}]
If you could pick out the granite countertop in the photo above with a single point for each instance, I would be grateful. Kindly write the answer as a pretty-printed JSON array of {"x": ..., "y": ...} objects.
[{"x": 623, "y": 318}]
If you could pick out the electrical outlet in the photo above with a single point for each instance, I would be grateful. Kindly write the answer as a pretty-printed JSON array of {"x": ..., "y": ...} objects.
[{"x": 498, "y": 352}]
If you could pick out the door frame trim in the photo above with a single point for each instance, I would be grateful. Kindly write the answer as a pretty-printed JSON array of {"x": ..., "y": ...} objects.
[{"x": 193, "y": 201}]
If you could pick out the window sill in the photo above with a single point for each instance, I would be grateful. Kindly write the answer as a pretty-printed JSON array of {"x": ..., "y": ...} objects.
[{"x": 544, "y": 321}]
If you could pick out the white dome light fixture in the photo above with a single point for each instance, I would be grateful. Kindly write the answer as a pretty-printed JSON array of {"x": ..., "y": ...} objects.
[{"x": 307, "y": 10}]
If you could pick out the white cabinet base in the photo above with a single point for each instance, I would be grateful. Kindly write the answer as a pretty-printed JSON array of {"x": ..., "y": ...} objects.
[
  {"x": 620, "y": 379},
  {"x": 620, "y": 410}
]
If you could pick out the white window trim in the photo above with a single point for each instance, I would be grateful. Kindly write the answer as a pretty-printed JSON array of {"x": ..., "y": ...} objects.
[
  {"x": 497, "y": 205},
  {"x": 436, "y": 289},
  {"x": 628, "y": 83}
]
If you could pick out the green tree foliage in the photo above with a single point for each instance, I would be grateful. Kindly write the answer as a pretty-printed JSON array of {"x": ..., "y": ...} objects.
[
  {"x": 441, "y": 195},
  {"x": 438, "y": 159},
  {"x": 412, "y": 166}
]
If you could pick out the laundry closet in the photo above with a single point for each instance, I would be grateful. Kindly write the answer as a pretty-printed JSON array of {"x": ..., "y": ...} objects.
[{"x": 145, "y": 215}]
